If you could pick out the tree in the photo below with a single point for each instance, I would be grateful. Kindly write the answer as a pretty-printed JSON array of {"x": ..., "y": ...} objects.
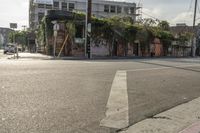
[
  {"x": 149, "y": 22},
  {"x": 164, "y": 25},
  {"x": 71, "y": 30},
  {"x": 20, "y": 38}
]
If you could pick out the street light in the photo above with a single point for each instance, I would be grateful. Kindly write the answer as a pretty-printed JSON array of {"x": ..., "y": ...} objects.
[{"x": 24, "y": 27}]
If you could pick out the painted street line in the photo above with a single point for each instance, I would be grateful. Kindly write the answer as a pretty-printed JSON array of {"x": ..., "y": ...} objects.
[{"x": 117, "y": 106}]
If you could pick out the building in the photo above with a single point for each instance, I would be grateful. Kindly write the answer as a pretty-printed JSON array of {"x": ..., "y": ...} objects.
[
  {"x": 100, "y": 9},
  {"x": 185, "y": 49},
  {"x": 4, "y": 36}
]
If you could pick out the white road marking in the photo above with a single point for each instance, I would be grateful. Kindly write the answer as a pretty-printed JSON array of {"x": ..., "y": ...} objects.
[
  {"x": 117, "y": 106},
  {"x": 117, "y": 114}
]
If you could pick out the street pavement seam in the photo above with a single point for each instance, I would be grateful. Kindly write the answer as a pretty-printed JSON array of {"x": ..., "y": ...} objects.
[
  {"x": 117, "y": 105},
  {"x": 160, "y": 68}
]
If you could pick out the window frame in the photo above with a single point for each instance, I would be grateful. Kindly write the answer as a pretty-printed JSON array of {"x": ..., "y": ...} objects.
[
  {"x": 69, "y": 6},
  {"x": 106, "y": 8},
  {"x": 112, "y": 9}
]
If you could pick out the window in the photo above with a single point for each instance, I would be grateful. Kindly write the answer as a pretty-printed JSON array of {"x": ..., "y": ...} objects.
[
  {"x": 126, "y": 10},
  {"x": 106, "y": 8},
  {"x": 112, "y": 9},
  {"x": 71, "y": 6},
  {"x": 40, "y": 5},
  {"x": 64, "y": 6},
  {"x": 132, "y": 10},
  {"x": 56, "y": 5},
  {"x": 119, "y": 9},
  {"x": 40, "y": 16},
  {"x": 48, "y": 6}
]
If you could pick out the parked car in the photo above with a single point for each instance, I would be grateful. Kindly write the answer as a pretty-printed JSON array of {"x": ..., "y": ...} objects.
[{"x": 9, "y": 48}]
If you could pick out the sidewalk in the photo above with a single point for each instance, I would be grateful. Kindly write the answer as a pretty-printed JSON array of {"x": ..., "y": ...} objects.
[
  {"x": 39, "y": 56},
  {"x": 181, "y": 119},
  {"x": 24, "y": 56}
]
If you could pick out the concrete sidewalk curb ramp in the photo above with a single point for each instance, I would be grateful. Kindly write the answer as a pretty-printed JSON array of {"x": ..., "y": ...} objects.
[{"x": 175, "y": 120}]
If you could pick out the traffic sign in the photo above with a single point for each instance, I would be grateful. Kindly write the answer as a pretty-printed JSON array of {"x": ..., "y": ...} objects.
[{"x": 13, "y": 25}]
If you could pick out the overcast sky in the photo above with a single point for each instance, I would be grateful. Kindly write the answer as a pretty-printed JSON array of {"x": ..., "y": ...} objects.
[{"x": 174, "y": 11}]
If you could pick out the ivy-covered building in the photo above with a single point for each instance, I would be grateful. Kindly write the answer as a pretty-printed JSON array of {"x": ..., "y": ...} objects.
[{"x": 110, "y": 37}]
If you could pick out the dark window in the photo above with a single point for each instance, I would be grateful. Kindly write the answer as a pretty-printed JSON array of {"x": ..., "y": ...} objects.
[
  {"x": 56, "y": 5},
  {"x": 112, "y": 9},
  {"x": 48, "y": 6},
  {"x": 40, "y": 5},
  {"x": 106, "y": 8},
  {"x": 71, "y": 6},
  {"x": 132, "y": 10},
  {"x": 40, "y": 16},
  {"x": 79, "y": 31},
  {"x": 119, "y": 9},
  {"x": 64, "y": 6}
]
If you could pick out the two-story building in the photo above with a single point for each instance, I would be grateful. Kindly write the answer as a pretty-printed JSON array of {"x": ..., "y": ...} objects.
[{"x": 100, "y": 8}]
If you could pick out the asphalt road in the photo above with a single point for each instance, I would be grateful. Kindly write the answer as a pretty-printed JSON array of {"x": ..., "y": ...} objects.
[{"x": 48, "y": 96}]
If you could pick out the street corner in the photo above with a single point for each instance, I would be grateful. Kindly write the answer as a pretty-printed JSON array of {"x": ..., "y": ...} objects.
[
  {"x": 180, "y": 119},
  {"x": 194, "y": 128}
]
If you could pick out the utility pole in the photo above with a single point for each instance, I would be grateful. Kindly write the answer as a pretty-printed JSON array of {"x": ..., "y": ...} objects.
[
  {"x": 194, "y": 23},
  {"x": 88, "y": 28}
]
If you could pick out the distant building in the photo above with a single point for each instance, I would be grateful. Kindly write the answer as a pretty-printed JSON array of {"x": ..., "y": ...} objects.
[
  {"x": 181, "y": 24},
  {"x": 181, "y": 28},
  {"x": 100, "y": 8},
  {"x": 4, "y": 36}
]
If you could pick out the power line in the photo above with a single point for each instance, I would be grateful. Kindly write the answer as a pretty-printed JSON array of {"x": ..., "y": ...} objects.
[
  {"x": 150, "y": 16},
  {"x": 190, "y": 7},
  {"x": 198, "y": 7}
]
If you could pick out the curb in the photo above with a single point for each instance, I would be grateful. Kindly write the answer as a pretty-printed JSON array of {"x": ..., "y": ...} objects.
[{"x": 175, "y": 120}]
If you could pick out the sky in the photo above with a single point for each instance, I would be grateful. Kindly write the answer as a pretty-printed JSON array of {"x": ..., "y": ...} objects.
[{"x": 174, "y": 11}]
